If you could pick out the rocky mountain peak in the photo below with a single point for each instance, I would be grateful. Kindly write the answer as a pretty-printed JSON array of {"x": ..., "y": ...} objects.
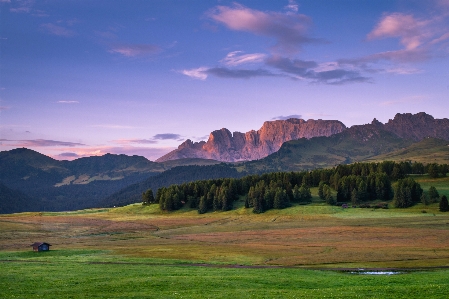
[{"x": 223, "y": 145}]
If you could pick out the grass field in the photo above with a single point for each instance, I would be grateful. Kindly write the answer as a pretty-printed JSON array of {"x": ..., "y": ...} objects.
[{"x": 138, "y": 251}]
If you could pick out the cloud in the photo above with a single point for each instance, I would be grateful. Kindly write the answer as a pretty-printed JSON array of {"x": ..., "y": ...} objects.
[
  {"x": 3, "y": 108},
  {"x": 312, "y": 71},
  {"x": 239, "y": 73},
  {"x": 135, "y": 50},
  {"x": 292, "y": 6},
  {"x": 68, "y": 155},
  {"x": 288, "y": 29},
  {"x": 410, "y": 31},
  {"x": 67, "y": 102},
  {"x": 234, "y": 59},
  {"x": 150, "y": 153},
  {"x": 41, "y": 143},
  {"x": 197, "y": 73},
  {"x": 167, "y": 136},
  {"x": 57, "y": 30},
  {"x": 282, "y": 117},
  {"x": 138, "y": 141},
  {"x": 24, "y": 6}
]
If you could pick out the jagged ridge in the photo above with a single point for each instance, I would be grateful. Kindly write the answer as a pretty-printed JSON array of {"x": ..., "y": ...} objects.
[{"x": 253, "y": 145}]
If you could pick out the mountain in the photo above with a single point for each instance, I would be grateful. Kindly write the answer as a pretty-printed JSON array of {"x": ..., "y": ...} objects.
[
  {"x": 43, "y": 183},
  {"x": 417, "y": 126},
  {"x": 253, "y": 145},
  {"x": 355, "y": 144}
]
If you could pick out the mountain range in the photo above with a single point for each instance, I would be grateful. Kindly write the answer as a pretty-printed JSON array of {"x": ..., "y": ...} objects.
[{"x": 30, "y": 181}]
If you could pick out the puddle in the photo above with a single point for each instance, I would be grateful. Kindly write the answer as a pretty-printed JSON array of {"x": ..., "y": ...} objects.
[{"x": 376, "y": 272}]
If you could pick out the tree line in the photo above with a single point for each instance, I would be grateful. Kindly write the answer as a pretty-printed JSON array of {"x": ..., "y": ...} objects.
[{"x": 353, "y": 183}]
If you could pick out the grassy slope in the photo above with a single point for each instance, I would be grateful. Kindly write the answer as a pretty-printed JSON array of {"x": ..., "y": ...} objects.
[
  {"x": 139, "y": 251},
  {"x": 429, "y": 150}
]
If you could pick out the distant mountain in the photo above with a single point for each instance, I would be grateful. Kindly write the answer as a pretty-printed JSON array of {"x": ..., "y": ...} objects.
[
  {"x": 355, "y": 144},
  {"x": 253, "y": 145},
  {"x": 53, "y": 185},
  {"x": 417, "y": 126}
]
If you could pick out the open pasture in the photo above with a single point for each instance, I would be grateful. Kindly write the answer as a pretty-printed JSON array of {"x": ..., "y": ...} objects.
[{"x": 139, "y": 251}]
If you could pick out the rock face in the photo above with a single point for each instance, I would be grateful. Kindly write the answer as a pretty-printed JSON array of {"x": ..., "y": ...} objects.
[
  {"x": 224, "y": 146},
  {"x": 418, "y": 126}
]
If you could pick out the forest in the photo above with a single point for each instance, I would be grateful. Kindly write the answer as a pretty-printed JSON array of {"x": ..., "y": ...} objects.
[{"x": 354, "y": 184}]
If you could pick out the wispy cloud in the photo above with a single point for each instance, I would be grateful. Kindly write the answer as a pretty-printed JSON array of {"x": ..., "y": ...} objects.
[
  {"x": 57, "y": 30},
  {"x": 135, "y": 141},
  {"x": 40, "y": 143},
  {"x": 22, "y": 6},
  {"x": 196, "y": 73},
  {"x": 136, "y": 50},
  {"x": 284, "y": 117},
  {"x": 288, "y": 29},
  {"x": 239, "y": 73},
  {"x": 235, "y": 58},
  {"x": 3, "y": 108},
  {"x": 167, "y": 136},
  {"x": 67, "y": 102}
]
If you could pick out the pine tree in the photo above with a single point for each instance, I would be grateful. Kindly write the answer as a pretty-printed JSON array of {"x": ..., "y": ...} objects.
[
  {"x": 202, "y": 206},
  {"x": 444, "y": 205},
  {"x": 433, "y": 194}
]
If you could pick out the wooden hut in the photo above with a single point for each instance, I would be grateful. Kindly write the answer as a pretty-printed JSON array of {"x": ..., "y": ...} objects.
[{"x": 41, "y": 246}]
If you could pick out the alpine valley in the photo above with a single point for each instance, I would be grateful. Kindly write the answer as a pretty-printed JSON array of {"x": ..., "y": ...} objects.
[{"x": 30, "y": 181}]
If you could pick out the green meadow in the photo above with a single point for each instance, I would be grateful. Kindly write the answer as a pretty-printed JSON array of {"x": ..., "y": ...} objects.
[{"x": 305, "y": 251}]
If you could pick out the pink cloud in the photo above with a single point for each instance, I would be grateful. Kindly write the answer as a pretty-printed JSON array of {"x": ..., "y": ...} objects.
[
  {"x": 135, "y": 50},
  {"x": 410, "y": 31},
  {"x": 150, "y": 153},
  {"x": 288, "y": 29}
]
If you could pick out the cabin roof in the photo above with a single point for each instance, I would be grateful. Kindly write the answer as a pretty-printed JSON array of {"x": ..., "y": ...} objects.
[{"x": 39, "y": 244}]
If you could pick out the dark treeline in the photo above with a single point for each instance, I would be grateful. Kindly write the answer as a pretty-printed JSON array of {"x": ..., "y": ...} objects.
[{"x": 355, "y": 183}]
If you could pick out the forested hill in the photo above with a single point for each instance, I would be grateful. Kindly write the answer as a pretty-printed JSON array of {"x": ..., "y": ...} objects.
[
  {"x": 12, "y": 201},
  {"x": 176, "y": 175}
]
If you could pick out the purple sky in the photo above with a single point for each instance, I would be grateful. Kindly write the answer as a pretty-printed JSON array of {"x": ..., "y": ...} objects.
[{"x": 80, "y": 78}]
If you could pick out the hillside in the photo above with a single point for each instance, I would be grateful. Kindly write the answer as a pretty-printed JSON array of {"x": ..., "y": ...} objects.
[
  {"x": 428, "y": 150},
  {"x": 54, "y": 185},
  {"x": 176, "y": 175}
]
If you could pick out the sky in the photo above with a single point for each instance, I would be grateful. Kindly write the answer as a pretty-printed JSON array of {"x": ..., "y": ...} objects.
[{"x": 81, "y": 78}]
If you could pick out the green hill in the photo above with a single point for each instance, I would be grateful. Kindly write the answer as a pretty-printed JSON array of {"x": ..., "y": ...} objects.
[{"x": 429, "y": 150}]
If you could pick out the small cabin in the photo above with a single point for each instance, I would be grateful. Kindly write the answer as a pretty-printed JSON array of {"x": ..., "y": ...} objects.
[{"x": 41, "y": 246}]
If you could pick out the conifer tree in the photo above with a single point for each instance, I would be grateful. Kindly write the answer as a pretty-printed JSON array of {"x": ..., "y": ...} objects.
[{"x": 444, "y": 205}]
